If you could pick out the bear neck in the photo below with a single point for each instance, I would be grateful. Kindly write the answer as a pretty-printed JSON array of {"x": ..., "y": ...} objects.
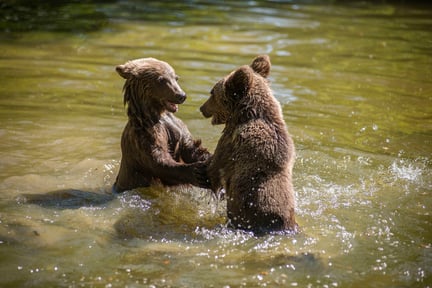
[
  {"x": 146, "y": 119},
  {"x": 144, "y": 114}
]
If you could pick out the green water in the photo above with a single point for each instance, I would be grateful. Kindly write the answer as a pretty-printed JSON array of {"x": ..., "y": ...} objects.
[{"x": 355, "y": 83}]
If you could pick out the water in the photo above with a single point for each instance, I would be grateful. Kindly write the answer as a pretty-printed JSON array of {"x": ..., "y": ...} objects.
[{"x": 355, "y": 83}]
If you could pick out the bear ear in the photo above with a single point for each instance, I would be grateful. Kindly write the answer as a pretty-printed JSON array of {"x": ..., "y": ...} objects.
[
  {"x": 124, "y": 71},
  {"x": 261, "y": 65},
  {"x": 239, "y": 82}
]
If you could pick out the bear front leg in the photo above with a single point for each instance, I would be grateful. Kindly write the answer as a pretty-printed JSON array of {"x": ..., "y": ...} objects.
[
  {"x": 171, "y": 172},
  {"x": 214, "y": 175},
  {"x": 200, "y": 173},
  {"x": 192, "y": 151}
]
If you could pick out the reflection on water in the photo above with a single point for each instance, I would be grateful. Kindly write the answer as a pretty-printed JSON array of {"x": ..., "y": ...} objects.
[{"x": 354, "y": 81}]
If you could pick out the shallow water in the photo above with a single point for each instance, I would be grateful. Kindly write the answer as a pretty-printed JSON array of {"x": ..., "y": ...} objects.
[{"x": 355, "y": 84}]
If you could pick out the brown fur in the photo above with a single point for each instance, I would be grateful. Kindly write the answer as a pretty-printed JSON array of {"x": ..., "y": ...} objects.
[
  {"x": 156, "y": 146},
  {"x": 254, "y": 157}
]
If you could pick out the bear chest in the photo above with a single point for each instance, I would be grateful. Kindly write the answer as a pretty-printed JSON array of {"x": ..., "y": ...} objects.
[{"x": 174, "y": 132}]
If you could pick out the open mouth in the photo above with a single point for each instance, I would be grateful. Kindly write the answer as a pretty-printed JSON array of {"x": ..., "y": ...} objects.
[{"x": 171, "y": 107}]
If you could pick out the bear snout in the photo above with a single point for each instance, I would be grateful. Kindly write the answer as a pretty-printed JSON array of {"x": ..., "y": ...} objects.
[
  {"x": 206, "y": 113},
  {"x": 180, "y": 97}
]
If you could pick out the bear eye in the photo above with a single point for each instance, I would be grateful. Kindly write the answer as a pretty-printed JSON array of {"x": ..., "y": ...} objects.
[
  {"x": 212, "y": 91},
  {"x": 162, "y": 80},
  {"x": 176, "y": 77}
]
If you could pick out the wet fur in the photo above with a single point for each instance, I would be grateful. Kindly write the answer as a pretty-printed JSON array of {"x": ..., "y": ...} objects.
[
  {"x": 254, "y": 157},
  {"x": 157, "y": 147}
]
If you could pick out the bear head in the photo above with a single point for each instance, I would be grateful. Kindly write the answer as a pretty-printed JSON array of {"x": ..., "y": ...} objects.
[
  {"x": 150, "y": 84},
  {"x": 232, "y": 95}
]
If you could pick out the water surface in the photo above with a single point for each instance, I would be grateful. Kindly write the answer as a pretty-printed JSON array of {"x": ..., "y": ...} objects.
[{"x": 355, "y": 84}]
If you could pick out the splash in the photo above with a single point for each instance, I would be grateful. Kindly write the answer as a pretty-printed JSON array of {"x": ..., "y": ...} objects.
[{"x": 402, "y": 169}]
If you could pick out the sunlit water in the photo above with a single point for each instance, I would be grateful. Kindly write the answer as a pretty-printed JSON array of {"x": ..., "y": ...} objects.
[{"x": 355, "y": 84}]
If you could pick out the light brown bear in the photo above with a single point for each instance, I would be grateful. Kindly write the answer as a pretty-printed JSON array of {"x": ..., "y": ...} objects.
[
  {"x": 254, "y": 157},
  {"x": 157, "y": 147}
]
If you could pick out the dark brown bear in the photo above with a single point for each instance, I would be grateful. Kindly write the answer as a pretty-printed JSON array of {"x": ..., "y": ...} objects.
[
  {"x": 254, "y": 158},
  {"x": 156, "y": 146}
]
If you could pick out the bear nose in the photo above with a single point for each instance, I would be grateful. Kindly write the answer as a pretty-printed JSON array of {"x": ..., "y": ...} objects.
[
  {"x": 204, "y": 111},
  {"x": 181, "y": 97}
]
